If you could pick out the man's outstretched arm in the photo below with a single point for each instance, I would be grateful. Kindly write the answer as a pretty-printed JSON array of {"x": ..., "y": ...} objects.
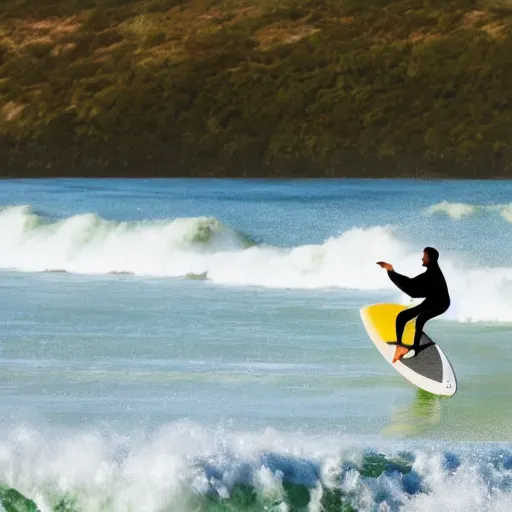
[{"x": 415, "y": 287}]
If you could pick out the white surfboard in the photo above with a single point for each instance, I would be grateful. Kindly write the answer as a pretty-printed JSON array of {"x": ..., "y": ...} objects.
[{"x": 429, "y": 369}]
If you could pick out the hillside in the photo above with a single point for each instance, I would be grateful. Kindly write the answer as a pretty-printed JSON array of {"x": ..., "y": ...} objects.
[{"x": 256, "y": 88}]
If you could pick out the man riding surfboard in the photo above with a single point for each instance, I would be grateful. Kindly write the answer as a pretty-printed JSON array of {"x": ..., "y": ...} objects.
[{"x": 432, "y": 286}]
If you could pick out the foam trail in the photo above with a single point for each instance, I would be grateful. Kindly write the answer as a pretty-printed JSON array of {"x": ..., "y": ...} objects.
[
  {"x": 185, "y": 466},
  {"x": 204, "y": 248}
]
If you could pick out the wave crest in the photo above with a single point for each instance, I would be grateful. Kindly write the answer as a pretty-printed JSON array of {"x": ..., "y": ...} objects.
[
  {"x": 458, "y": 211},
  {"x": 88, "y": 244},
  {"x": 204, "y": 248}
]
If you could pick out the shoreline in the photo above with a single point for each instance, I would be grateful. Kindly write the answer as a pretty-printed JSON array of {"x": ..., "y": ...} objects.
[{"x": 228, "y": 177}]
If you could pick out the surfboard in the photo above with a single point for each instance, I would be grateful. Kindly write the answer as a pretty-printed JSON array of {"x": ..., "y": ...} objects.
[{"x": 429, "y": 370}]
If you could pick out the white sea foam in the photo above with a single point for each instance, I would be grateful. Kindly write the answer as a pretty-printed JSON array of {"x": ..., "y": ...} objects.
[
  {"x": 184, "y": 463},
  {"x": 458, "y": 211},
  {"x": 88, "y": 244}
]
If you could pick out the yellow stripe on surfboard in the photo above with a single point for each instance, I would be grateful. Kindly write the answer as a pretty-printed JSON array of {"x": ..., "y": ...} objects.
[{"x": 383, "y": 318}]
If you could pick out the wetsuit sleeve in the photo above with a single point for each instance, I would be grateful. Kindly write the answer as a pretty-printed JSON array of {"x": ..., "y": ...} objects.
[{"x": 414, "y": 287}]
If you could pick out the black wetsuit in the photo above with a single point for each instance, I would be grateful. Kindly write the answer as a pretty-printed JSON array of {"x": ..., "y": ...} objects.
[{"x": 431, "y": 285}]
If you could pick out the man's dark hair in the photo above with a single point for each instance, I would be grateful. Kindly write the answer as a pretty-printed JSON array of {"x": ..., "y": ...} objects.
[{"x": 433, "y": 254}]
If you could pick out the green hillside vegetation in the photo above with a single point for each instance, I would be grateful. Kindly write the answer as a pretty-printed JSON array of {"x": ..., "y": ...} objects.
[{"x": 256, "y": 88}]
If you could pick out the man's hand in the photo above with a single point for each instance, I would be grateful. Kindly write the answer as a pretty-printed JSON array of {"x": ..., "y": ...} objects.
[{"x": 386, "y": 266}]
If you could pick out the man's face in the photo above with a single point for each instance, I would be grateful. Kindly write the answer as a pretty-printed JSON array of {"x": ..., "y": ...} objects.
[{"x": 425, "y": 260}]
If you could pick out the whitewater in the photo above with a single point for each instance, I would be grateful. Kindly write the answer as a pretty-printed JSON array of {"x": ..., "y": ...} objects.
[
  {"x": 175, "y": 345},
  {"x": 203, "y": 247}
]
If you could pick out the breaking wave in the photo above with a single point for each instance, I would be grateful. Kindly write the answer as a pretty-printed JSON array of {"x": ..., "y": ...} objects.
[
  {"x": 458, "y": 211},
  {"x": 187, "y": 467},
  {"x": 204, "y": 248}
]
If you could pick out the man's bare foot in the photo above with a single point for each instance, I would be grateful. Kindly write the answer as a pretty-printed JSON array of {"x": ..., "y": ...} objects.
[{"x": 400, "y": 352}]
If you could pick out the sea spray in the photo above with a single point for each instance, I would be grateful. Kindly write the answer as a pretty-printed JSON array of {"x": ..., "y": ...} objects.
[{"x": 185, "y": 466}]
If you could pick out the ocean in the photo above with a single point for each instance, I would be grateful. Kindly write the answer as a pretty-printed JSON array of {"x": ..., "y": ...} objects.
[{"x": 196, "y": 345}]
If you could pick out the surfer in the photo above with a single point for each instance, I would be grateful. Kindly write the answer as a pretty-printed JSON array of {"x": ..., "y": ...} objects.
[{"x": 432, "y": 286}]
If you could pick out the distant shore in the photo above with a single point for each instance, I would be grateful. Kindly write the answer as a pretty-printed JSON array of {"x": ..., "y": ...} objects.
[{"x": 249, "y": 88}]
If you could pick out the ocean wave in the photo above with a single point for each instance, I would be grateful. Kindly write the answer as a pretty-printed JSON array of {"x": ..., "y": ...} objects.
[
  {"x": 204, "y": 248},
  {"x": 189, "y": 247},
  {"x": 458, "y": 211},
  {"x": 185, "y": 466},
  {"x": 88, "y": 244}
]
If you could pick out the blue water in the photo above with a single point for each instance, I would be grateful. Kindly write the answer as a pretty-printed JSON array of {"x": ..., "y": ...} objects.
[{"x": 153, "y": 329}]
